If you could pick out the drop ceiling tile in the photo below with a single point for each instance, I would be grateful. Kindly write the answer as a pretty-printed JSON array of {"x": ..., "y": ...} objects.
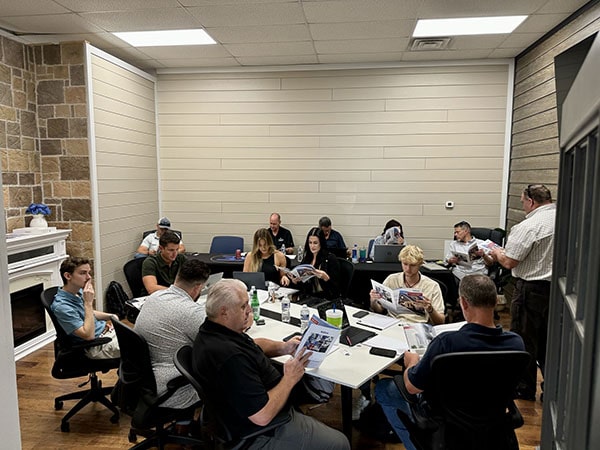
[
  {"x": 436, "y": 9},
  {"x": 271, "y": 49},
  {"x": 204, "y": 62},
  {"x": 505, "y": 52},
  {"x": 353, "y": 58},
  {"x": 115, "y": 5},
  {"x": 140, "y": 20},
  {"x": 362, "y": 46},
  {"x": 522, "y": 40},
  {"x": 272, "y": 33},
  {"x": 50, "y": 23},
  {"x": 29, "y": 8},
  {"x": 362, "y": 30},
  {"x": 183, "y": 51},
  {"x": 445, "y": 55},
  {"x": 470, "y": 42},
  {"x": 359, "y": 10},
  {"x": 243, "y": 15},
  {"x": 561, "y": 6},
  {"x": 540, "y": 23},
  {"x": 277, "y": 60}
]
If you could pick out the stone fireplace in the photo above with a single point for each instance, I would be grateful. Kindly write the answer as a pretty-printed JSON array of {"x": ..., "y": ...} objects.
[{"x": 33, "y": 265}]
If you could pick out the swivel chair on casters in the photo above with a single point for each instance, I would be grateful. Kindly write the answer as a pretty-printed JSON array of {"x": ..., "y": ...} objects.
[{"x": 70, "y": 361}]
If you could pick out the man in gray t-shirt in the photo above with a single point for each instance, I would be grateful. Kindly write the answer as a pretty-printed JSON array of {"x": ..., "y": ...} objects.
[{"x": 170, "y": 319}]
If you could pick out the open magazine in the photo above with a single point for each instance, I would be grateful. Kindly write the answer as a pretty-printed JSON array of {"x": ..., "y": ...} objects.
[
  {"x": 419, "y": 335},
  {"x": 320, "y": 338},
  {"x": 303, "y": 271},
  {"x": 400, "y": 301},
  {"x": 489, "y": 245},
  {"x": 466, "y": 254}
]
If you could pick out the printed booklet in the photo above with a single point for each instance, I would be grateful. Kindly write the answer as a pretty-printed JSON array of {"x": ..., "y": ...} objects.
[
  {"x": 321, "y": 338},
  {"x": 466, "y": 254},
  {"x": 400, "y": 301},
  {"x": 419, "y": 335},
  {"x": 303, "y": 271}
]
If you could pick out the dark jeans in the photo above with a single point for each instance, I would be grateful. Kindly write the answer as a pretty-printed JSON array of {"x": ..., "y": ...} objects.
[{"x": 529, "y": 311}]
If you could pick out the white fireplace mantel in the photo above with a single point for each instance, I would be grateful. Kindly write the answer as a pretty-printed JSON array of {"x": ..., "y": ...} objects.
[{"x": 35, "y": 259}]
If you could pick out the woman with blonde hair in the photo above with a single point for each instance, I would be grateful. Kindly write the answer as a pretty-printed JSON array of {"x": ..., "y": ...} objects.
[{"x": 264, "y": 257}]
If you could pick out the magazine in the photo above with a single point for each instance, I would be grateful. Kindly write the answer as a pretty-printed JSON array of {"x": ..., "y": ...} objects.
[
  {"x": 419, "y": 335},
  {"x": 488, "y": 245},
  {"x": 320, "y": 338},
  {"x": 400, "y": 301},
  {"x": 466, "y": 254},
  {"x": 303, "y": 272}
]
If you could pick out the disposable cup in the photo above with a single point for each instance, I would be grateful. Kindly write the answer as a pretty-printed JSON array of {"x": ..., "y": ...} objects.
[{"x": 334, "y": 317}]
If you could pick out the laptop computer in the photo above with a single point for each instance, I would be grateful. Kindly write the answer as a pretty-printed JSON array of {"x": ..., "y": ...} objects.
[
  {"x": 212, "y": 279},
  {"x": 256, "y": 279},
  {"x": 350, "y": 335},
  {"x": 387, "y": 253}
]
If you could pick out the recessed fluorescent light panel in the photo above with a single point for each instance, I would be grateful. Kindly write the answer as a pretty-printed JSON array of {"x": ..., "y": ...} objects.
[
  {"x": 467, "y": 26},
  {"x": 164, "y": 38}
]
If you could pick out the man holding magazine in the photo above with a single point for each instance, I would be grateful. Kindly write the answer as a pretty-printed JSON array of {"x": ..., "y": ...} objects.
[
  {"x": 477, "y": 297},
  {"x": 245, "y": 389}
]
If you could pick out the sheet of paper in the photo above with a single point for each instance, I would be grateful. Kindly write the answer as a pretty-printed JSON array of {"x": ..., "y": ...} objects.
[{"x": 378, "y": 321}]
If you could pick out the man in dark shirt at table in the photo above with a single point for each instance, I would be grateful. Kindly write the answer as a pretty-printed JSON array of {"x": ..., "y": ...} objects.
[
  {"x": 247, "y": 392},
  {"x": 159, "y": 271},
  {"x": 333, "y": 238},
  {"x": 280, "y": 235},
  {"x": 477, "y": 297}
]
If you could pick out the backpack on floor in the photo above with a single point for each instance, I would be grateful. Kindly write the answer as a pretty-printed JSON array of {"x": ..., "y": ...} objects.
[
  {"x": 374, "y": 423},
  {"x": 115, "y": 299}
]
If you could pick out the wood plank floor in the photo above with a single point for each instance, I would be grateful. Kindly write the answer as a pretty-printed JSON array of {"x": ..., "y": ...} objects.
[{"x": 91, "y": 428}]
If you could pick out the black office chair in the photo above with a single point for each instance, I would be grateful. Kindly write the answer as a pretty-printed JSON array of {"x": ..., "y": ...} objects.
[
  {"x": 70, "y": 361},
  {"x": 133, "y": 274},
  {"x": 256, "y": 279},
  {"x": 493, "y": 234},
  {"x": 496, "y": 272},
  {"x": 222, "y": 435},
  {"x": 140, "y": 398},
  {"x": 226, "y": 245},
  {"x": 346, "y": 272},
  {"x": 468, "y": 403}
]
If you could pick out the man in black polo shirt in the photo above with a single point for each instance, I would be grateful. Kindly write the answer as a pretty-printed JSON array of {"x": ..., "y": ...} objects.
[
  {"x": 248, "y": 393},
  {"x": 159, "y": 271},
  {"x": 280, "y": 235}
]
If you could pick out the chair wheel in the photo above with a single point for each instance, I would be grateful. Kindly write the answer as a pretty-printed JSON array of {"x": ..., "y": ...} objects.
[
  {"x": 64, "y": 427},
  {"x": 114, "y": 418},
  {"x": 58, "y": 404},
  {"x": 132, "y": 436}
]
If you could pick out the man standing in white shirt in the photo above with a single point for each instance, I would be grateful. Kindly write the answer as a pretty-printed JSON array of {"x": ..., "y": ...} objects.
[{"x": 528, "y": 253}]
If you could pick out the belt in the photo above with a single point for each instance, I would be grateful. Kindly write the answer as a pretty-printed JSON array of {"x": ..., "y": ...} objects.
[{"x": 533, "y": 282}]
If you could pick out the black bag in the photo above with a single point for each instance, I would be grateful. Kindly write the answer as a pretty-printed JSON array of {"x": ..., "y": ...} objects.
[
  {"x": 115, "y": 299},
  {"x": 374, "y": 423}
]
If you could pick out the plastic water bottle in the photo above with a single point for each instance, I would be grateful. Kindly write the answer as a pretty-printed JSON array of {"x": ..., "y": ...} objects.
[
  {"x": 304, "y": 317},
  {"x": 283, "y": 248},
  {"x": 355, "y": 253},
  {"x": 285, "y": 309},
  {"x": 255, "y": 304},
  {"x": 300, "y": 254}
]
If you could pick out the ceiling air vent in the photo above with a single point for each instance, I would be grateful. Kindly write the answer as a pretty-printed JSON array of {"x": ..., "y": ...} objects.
[{"x": 427, "y": 44}]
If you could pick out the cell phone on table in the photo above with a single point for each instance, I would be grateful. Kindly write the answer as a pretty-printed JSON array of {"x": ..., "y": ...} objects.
[
  {"x": 359, "y": 314},
  {"x": 287, "y": 338}
]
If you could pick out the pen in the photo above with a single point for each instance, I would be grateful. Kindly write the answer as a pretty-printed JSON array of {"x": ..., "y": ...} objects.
[{"x": 349, "y": 341}]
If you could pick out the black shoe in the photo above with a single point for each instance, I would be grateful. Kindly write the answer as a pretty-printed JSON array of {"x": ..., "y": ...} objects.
[{"x": 524, "y": 395}]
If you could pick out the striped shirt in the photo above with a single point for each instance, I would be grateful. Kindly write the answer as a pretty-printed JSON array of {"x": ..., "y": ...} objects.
[{"x": 531, "y": 242}]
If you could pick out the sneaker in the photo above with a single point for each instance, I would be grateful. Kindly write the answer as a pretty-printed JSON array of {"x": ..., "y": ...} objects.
[{"x": 358, "y": 405}]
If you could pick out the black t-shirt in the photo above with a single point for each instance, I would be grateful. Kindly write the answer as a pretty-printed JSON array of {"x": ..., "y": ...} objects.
[
  {"x": 235, "y": 374},
  {"x": 283, "y": 236}
]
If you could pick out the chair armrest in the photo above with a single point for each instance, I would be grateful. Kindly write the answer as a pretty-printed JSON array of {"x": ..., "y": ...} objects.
[
  {"x": 410, "y": 398},
  {"x": 172, "y": 386},
  {"x": 92, "y": 343}
]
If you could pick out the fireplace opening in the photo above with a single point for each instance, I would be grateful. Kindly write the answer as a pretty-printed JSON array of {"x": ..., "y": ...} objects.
[{"x": 28, "y": 316}]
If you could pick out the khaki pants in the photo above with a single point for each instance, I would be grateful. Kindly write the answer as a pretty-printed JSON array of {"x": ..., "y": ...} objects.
[{"x": 107, "y": 351}]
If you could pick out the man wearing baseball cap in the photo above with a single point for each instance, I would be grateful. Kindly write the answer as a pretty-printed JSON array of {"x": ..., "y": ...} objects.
[{"x": 149, "y": 245}]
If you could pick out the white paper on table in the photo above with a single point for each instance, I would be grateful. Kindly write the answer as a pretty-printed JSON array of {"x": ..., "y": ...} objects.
[
  {"x": 378, "y": 321},
  {"x": 387, "y": 342}
]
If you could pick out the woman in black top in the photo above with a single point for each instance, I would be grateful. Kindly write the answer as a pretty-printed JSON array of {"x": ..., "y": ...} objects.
[
  {"x": 264, "y": 257},
  {"x": 325, "y": 283}
]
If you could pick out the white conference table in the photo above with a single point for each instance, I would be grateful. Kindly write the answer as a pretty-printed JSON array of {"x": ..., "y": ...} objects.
[{"x": 350, "y": 367}]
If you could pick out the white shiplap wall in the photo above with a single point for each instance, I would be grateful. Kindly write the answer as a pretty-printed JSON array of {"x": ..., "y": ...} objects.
[
  {"x": 124, "y": 161},
  {"x": 361, "y": 146}
]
